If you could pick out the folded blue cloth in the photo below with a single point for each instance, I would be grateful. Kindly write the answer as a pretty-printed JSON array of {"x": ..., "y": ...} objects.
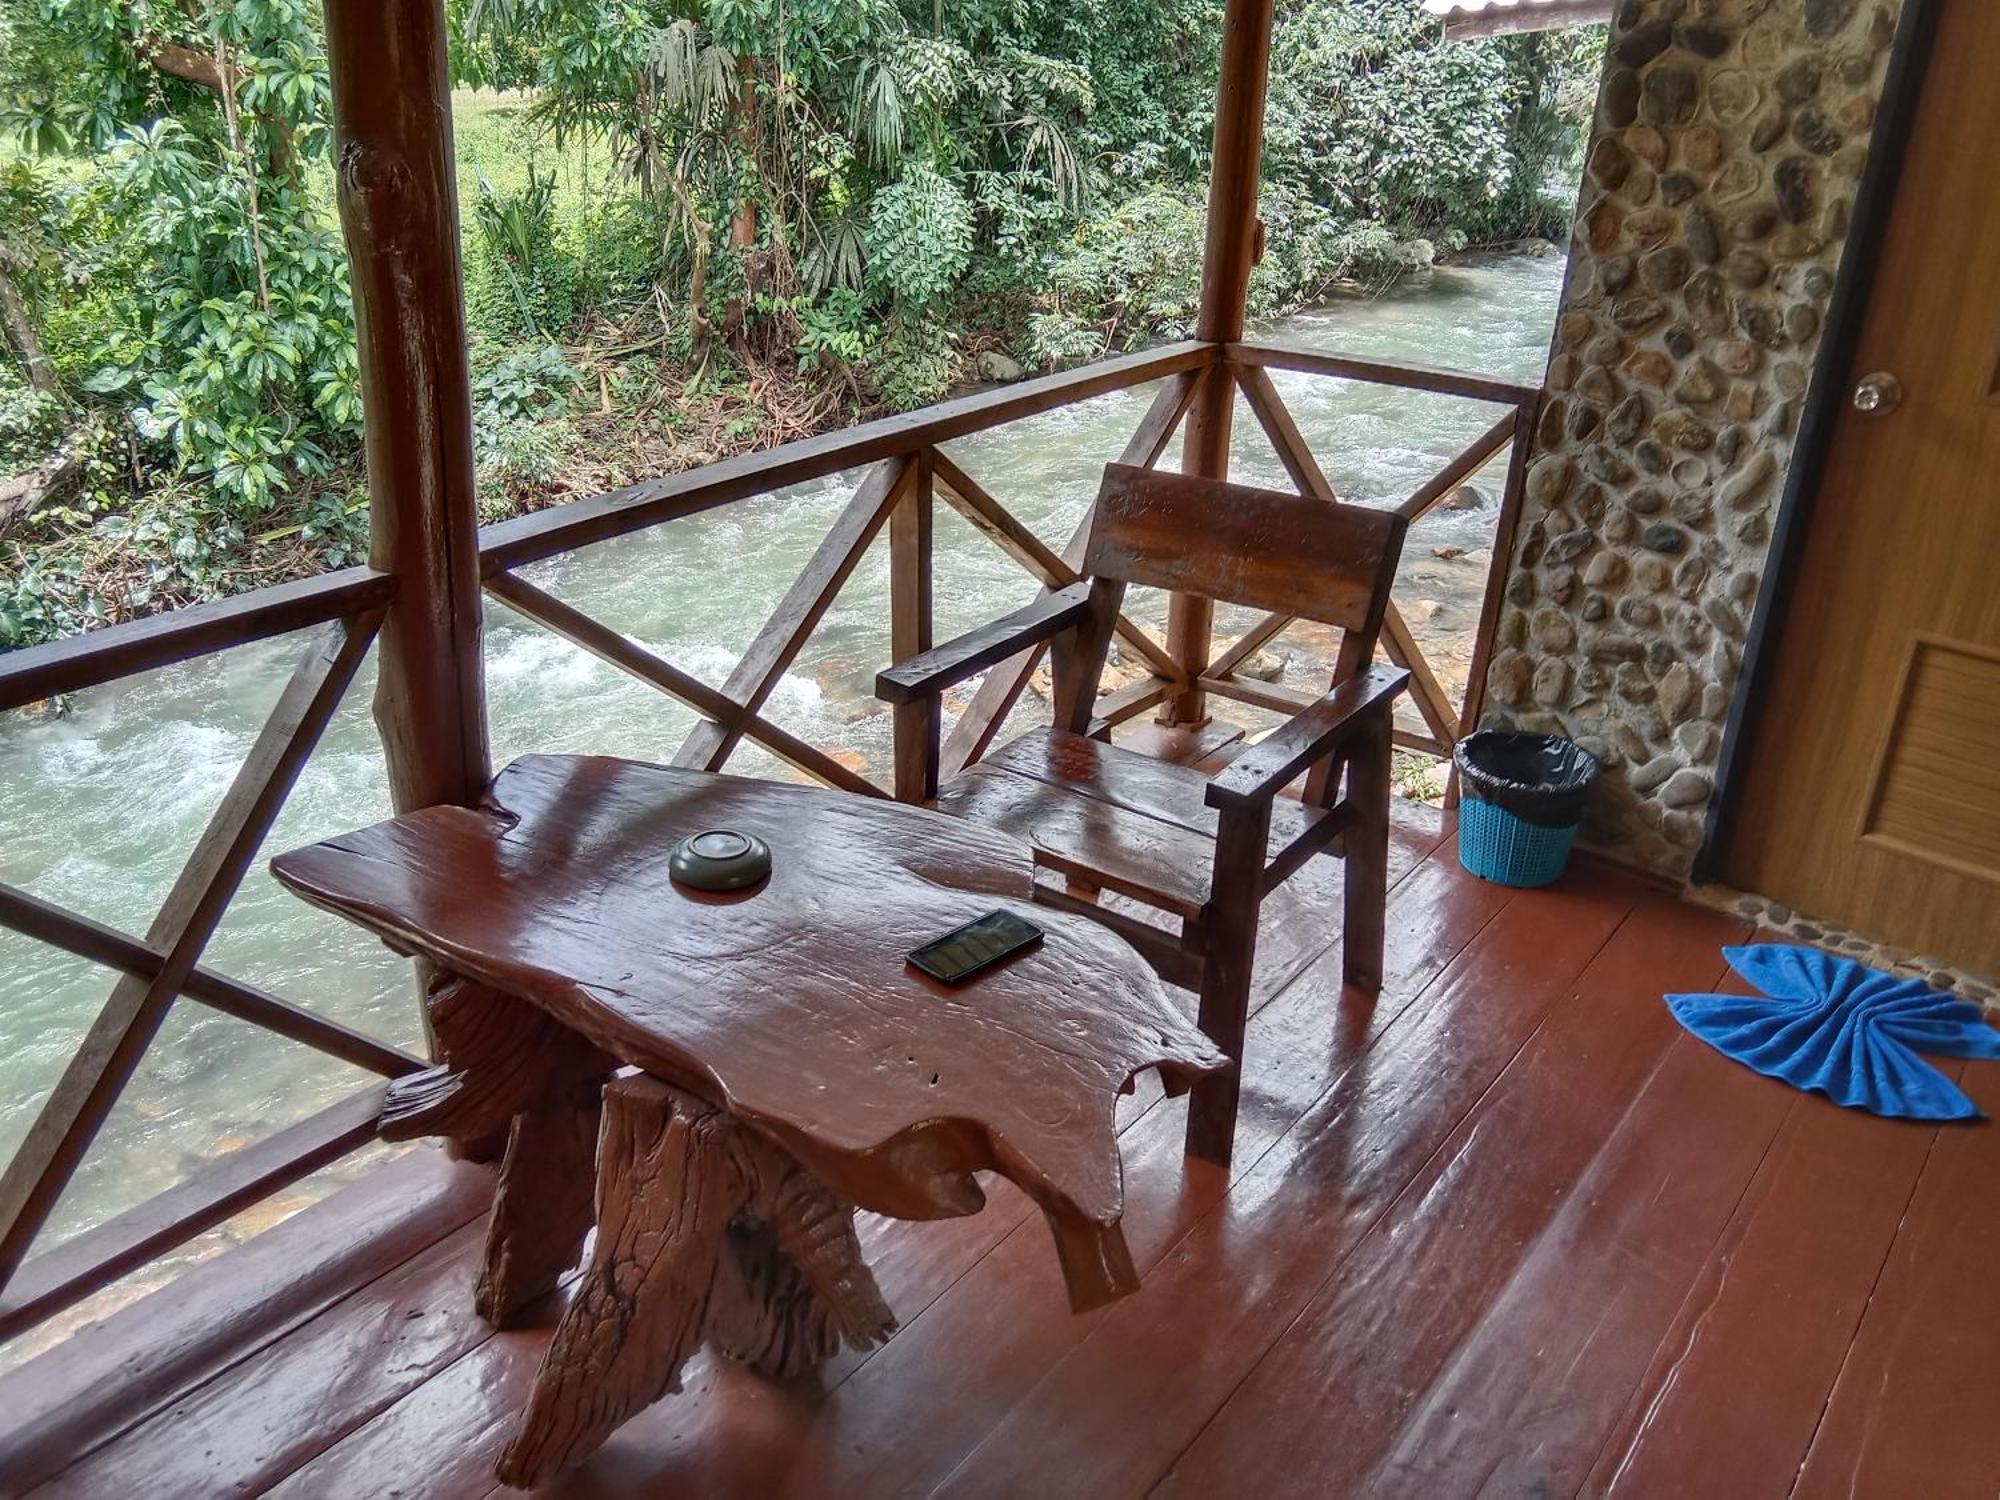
[{"x": 1844, "y": 1030}]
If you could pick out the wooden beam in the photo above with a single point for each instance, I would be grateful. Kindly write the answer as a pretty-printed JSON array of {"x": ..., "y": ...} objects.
[
  {"x": 564, "y": 528},
  {"x": 1289, "y": 443},
  {"x": 98, "y": 656},
  {"x": 1278, "y": 354},
  {"x": 27, "y": 913},
  {"x": 1452, "y": 475},
  {"x": 1433, "y": 702},
  {"x": 92, "y": 1260},
  {"x": 608, "y": 645},
  {"x": 103, "y": 1063},
  {"x": 772, "y": 650},
  {"x": 1546, "y": 15},
  {"x": 917, "y": 723},
  {"x": 398, "y": 197},
  {"x": 1228, "y": 256},
  {"x": 1512, "y": 497},
  {"x": 1002, "y": 686}
]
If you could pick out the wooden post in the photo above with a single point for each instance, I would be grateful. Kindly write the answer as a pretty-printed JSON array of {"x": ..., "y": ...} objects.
[
  {"x": 1234, "y": 243},
  {"x": 399, "y": 211},
  {"x": 916, "y": 724}
]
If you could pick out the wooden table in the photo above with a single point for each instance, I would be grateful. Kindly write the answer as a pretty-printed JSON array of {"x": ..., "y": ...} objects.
[{"x": 794, "y": 1067}]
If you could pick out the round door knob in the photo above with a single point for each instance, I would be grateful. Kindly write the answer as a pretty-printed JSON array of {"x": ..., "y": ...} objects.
[{"x": 1878, "y": 394}]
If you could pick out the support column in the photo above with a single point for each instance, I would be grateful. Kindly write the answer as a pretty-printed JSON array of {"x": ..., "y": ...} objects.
[
  {"x": 399, "y": 211},
  {"x": 1233, "y": 246}
]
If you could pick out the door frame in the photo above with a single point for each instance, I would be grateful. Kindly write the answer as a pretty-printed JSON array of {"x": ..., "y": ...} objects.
[{"x": 1825, "y": 402}]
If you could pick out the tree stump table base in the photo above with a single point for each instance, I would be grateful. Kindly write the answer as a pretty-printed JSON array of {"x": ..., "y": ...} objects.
[{"x": 706, "y": 1231}]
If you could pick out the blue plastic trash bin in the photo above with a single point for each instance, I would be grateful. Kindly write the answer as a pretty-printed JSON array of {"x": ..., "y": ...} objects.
[{"x": 1521, "y": 798}]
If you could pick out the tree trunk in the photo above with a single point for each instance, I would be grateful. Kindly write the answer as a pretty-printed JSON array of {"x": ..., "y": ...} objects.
[
  {"x": 743, "y": 223},
  {"x": 20, "y": 329}
]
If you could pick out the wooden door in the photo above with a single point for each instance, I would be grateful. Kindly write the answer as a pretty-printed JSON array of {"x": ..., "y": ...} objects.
[{"x": 1872, "y": 797}]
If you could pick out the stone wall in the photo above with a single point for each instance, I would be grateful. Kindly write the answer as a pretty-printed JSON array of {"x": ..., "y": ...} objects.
[{"x": 1729, "y": 140}]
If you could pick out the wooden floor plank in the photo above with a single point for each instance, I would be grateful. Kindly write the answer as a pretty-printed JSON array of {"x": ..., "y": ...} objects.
[
  {"x": 726, "y": 1434},
  {"x": 1739, "y": 1383},
  {"x": 1912, "y": 1412},
  {"x": 1387, "y": 1319},
  {"x": 1526, "y": 1399},
  {"x": 111, "y": 1375},
  {"x": 262, "y": 1418},
  {"x": 1110, "y": 1415}
]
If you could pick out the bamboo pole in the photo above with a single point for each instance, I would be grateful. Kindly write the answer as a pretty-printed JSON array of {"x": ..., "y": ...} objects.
[
  {"x": 1230, "y": 253},
  {"x": 399, "y": 212}
]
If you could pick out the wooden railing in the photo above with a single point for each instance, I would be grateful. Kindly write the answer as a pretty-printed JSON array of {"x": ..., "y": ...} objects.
[{"x": 344, "y": 610}]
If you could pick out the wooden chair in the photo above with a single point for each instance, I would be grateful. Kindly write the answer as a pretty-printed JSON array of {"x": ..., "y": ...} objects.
[{"x": 1204, "y": 850}]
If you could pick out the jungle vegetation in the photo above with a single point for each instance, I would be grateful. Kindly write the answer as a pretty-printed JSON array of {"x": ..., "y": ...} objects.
[{"x": 689, "y": 227}]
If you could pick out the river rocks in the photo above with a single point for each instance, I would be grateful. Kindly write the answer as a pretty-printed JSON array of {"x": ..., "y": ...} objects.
[
  {"x": 1609, "y": 164},
  {"x": 1666, "y": 270},
  {"x": 999, "y": 368},
  {"x": 1815, "y": 132},
  {"x": 1686, "y": 788},
  {"x": 1643, "y": 43},
  {"x": 1551, "y": 630},
  {"x": 1729, "y": 141},
  {"x": 1549, "y": 479},
  {"x": 1650, "y": 367},
  {"x": 1825, "y": 18},
  {"x": 1661, "y": 537},
  {"x": 1707, "y": 302},
  {"x": 1745, "y": 268},
  {"x": 1747, "y": 487},
  {"x": 1668, "y": 95},
  {"x": 1704, "y": 240}
]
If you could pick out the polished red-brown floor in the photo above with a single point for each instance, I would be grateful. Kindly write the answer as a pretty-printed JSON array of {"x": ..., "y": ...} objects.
[{"x": 1505, "y": 1231}]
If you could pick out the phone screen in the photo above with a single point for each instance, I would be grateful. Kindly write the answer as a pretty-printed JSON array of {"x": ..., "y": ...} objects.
[{"x": 984, "y": 941}]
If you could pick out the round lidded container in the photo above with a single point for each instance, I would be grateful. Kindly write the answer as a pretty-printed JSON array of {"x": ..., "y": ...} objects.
[{"x": 720, "y": 859}]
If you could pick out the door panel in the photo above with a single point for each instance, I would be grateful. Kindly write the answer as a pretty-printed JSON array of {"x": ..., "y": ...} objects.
[{"x": 1873, "y": 793}]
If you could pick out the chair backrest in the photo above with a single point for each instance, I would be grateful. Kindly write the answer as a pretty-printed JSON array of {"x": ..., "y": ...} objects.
[{"x": 1293, "y": 554}]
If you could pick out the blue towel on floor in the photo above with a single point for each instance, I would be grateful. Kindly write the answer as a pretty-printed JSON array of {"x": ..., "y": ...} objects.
[{"x": 1844, "y": 1030}]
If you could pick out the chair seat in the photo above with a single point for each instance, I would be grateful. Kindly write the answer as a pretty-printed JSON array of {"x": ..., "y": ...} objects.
[{"x": 1110, "y": 816}]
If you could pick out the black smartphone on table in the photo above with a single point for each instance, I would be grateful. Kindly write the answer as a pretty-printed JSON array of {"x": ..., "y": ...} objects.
[{"x": 978, "y": 945}]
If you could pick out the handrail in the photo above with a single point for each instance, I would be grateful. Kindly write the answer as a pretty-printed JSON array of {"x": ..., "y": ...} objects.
[
  {"x": 1280, "y": 354},
  {"x": 132, "y": 646},
  {"x": 909, "y": 470},
  {"x": 564, "y": 528}
]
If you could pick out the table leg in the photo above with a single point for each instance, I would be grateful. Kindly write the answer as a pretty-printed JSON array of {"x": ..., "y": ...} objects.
[
  {"x": 544, "y": 1205},
  {"x": 705, "y": 1230}
]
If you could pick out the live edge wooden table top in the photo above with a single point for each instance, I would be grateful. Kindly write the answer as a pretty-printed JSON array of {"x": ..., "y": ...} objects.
[{"x": 789, "y": 1009}]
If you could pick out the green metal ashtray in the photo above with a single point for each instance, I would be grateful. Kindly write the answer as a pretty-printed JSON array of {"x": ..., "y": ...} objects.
[{"x": 720, "y": 859}]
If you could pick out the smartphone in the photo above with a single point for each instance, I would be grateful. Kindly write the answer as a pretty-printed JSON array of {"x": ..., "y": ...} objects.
[{"x": 979, "y": 944}]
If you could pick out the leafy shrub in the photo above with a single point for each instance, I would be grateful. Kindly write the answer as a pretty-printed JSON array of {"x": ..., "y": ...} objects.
[
  {"x": 914, "y": 363},
  {"x": 919, "y": 238},
  {"x": 517, "y": 235},
  {"x": 520, "y": 431},
  {"x": 30, "y": 423}
]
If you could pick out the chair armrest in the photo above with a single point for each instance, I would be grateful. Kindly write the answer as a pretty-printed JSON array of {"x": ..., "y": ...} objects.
[
  {"x": 972, "y": 653},
  {"x": 1262, "y": 771}
]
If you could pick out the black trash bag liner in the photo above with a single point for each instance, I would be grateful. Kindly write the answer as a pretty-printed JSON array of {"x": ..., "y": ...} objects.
[{"x": 1540, "y": 778}]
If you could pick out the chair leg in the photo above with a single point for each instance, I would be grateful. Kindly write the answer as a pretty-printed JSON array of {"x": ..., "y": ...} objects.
[
  {"x": 1367, "y": 846},
  {"x": 1231, "y": 919}
]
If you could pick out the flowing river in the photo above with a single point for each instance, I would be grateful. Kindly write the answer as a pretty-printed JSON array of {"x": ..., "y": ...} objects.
[{"x": 99, "y": 808}]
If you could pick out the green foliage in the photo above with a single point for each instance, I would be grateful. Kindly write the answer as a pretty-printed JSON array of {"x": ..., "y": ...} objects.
[
  {"x": 919, "y": 238},
  {"x": 914, "y": 363},
  {"x": 30, "y": 423},
  {"x": 701, "y": 192},
  {"x": 519, "y": 429}
]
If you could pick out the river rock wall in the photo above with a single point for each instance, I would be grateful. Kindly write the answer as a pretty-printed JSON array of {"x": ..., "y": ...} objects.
[{"x": 1728, "y": 143}]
